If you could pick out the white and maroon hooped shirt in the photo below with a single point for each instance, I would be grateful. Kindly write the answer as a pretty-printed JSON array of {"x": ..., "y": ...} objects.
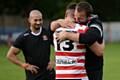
[{"x": 70, "y": 56}]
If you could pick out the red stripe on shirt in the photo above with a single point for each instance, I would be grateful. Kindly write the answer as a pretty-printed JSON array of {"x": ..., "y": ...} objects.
[
  {"x": 69, "y": 54},
  {"x": 81, "y": 61},
  {"x": 71, "y": 75},
  {"x": 70, "y": 68}
]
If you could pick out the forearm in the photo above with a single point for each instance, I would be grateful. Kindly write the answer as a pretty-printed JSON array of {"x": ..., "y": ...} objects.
[
  {"x": 85, "y": 38},
  {"x": 12, "y": 56},
  {"x": 15, "y": 60},
  {"x": 57, "y": 23},
  {"x": 72, "y": 36},
  {"x": 97, "y": 48},
  {"x": 54, "y": 25}
]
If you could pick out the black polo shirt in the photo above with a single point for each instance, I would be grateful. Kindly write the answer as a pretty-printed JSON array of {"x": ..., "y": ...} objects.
[
  {"x": 95, "y": 33},
  {"x": 36, "y": 49}
]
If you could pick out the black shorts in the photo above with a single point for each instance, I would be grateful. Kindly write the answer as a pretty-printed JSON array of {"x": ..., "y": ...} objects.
[
  {"x": 42, "y": 75},
  {"x": 95, "y": 75}
]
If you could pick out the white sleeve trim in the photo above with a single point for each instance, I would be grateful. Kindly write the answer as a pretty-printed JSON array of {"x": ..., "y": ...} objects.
[{"x": 97, "y": 26}]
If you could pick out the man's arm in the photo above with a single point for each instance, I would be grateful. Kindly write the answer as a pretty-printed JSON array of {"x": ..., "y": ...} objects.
[
  {"x": 12, "y": 56},
  {"x": 89, "y": 37},
  {"x": 97, "y": 48},
  {"x": 57, "y": 23},
  {"x": 67, "y": 35},
  {"x": 54, "y": 25},
  {"x": 61, "y": 23}
]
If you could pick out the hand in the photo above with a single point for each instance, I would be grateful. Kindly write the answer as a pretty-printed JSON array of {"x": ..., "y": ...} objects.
[
  {"x": 50, "y": 65},
  {"x": 32, "y": 68},
  {"x": 62, "y": 23},
  {"x": 61, "y": 36}
]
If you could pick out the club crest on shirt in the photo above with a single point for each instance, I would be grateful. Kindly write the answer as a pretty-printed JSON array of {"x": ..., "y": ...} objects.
[{"x": 45, "y": 37}]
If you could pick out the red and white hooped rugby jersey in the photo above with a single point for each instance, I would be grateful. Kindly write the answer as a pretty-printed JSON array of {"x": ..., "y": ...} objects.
[{"x": 70, "y": 56}]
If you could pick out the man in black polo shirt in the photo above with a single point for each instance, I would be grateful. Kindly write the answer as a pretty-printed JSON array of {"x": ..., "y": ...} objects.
[
  {"x": 94, "y": 63},
  {"x": 94, "y": 34},
  {"x": 35, "y": 45}
]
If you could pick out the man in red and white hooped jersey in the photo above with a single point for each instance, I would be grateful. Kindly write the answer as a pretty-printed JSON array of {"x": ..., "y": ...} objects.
[{"x": 70, "y": 56}]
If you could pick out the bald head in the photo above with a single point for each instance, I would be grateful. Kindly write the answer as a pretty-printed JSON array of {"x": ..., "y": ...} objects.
[
  {"x": 35, "y": 13},
  {"x": 35, "y": 19}
]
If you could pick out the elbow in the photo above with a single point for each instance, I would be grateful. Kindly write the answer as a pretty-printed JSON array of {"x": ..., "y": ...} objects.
[
  {"x": 8, "y": 56},
  {"x": 12, "y": 53},
  {"x": 54, "y": 26},
  {"x": 97, "y": 49},
  {"x": 99, "y": 54}
]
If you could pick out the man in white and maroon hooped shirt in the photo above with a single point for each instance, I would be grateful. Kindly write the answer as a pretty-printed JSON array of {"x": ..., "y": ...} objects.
[{"x": 70, "y": 56}]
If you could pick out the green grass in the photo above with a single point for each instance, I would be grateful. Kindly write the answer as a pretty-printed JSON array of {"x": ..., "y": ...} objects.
[
  {"x": 112, "y": 62},
  {"x": 8, "y": 71}
]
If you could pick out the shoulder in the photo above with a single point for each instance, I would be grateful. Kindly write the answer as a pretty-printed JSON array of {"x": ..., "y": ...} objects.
[
  {"x": 24, "y": 34},
  {"x": 95, "y": 20}
]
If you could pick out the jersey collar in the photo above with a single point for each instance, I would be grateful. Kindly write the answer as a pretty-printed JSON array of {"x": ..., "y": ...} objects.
[{"x": 37, "y": 34}]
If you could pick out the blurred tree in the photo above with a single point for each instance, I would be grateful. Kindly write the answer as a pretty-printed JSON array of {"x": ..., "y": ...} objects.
[
  {"x": 52, "y": 9},
  {"x": 108, "y": 10}
]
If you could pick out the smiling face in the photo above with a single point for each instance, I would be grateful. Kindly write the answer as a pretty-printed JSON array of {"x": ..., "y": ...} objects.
[
  {"x": 83, "y": 11},
  {"x": 35, "y": 19},
  {"x": 80, "y": 16}
]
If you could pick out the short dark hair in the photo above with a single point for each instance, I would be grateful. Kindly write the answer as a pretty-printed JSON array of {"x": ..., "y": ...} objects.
[
  {"x": 84, "y": 6},
  {"x": 71, "y": 6}
]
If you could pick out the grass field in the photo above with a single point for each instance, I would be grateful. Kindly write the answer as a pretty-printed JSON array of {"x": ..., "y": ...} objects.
[{"x": 8, "y": 71}]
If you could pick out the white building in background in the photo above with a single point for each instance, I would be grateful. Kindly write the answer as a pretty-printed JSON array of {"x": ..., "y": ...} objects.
[
  {"x": 112, "y": 31},
  {"x": 17, "y": 24}
]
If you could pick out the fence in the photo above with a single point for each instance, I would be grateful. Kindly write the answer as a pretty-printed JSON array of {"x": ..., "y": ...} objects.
[{"x": 14, "y": 25}]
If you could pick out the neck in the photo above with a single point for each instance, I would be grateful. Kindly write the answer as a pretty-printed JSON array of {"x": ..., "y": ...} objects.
[{"x": 34, "y": 30}]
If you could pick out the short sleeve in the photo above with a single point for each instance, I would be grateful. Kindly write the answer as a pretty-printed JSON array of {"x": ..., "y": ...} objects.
[
  {"x": 18, "y": 42},
  {"x": 97, "y": 26},
  {"x": 96, "y": 23}
]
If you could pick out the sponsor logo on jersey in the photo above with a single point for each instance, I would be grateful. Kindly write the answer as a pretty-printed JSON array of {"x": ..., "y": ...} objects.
[
  {"x": 66, "y": 61},
  {"x": 45, "y": 37}
]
